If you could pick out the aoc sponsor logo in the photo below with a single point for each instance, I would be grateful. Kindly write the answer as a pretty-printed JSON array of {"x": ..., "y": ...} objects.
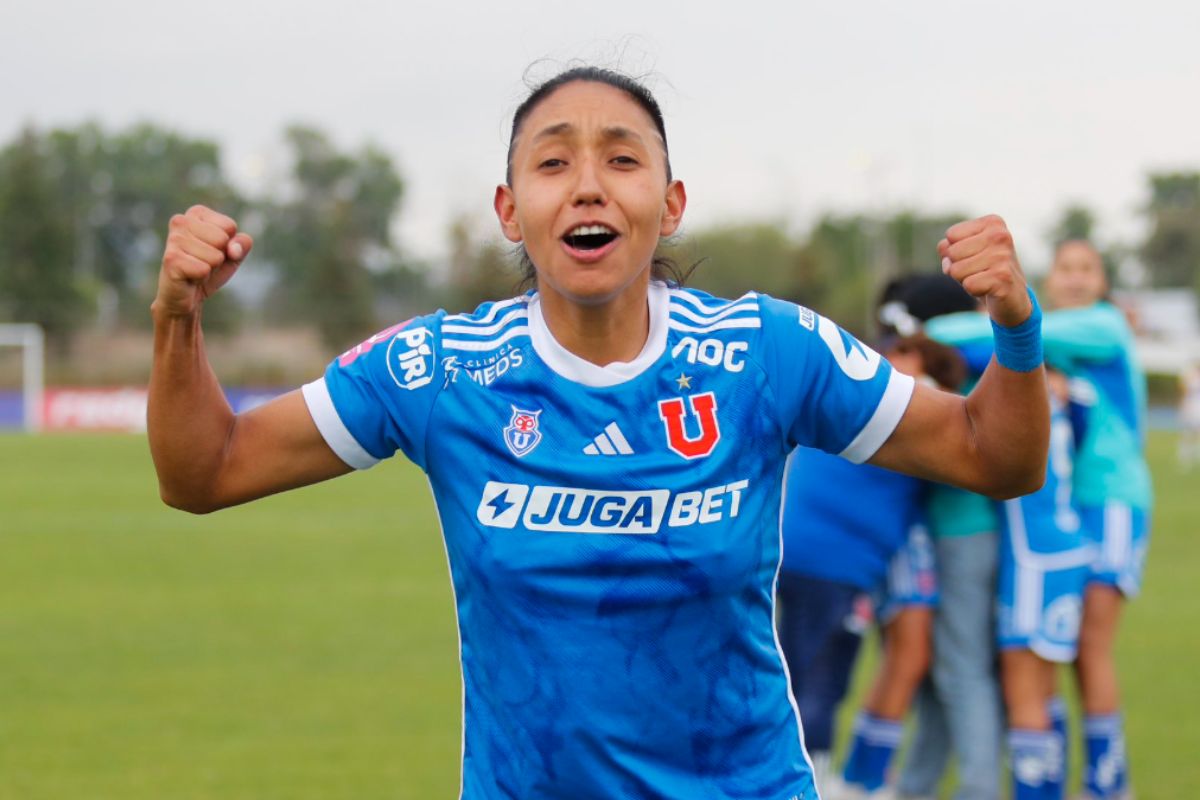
[
  {"x": 712, "y": 352},
  {"x": 562, "y": 509},
  {"x": 410, "y": 358}
]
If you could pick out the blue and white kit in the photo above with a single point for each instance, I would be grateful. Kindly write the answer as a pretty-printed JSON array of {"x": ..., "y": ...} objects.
[
  {"x": 1045, "y": 559},
  {"x": 613, "y": 532},
  {"x": 911, "y": 577}
]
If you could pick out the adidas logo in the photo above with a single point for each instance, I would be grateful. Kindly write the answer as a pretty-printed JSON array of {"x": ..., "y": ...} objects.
[{"x": 610, "y": 443}]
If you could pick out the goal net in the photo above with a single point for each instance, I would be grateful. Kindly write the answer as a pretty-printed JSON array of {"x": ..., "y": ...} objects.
[{"x": 23, "y": 367}]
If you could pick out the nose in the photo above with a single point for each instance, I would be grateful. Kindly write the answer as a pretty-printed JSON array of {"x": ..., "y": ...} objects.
[{"x": 589, "y": 188}]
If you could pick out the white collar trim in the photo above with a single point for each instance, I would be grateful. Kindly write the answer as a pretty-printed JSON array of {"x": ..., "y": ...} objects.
[{"x": 574, "y": 368}]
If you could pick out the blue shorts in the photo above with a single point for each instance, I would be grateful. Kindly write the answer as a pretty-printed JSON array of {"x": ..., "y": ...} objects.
[
  {"x": 911, "y": 578},
  {"x": 1121, "y": 534},
  {"x": 1044, "y": 565}
]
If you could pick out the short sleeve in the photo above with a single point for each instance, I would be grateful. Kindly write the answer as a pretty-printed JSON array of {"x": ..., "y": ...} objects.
[
  {"x": 376, "y": 398},
  {"x": 832, "y": 391}
]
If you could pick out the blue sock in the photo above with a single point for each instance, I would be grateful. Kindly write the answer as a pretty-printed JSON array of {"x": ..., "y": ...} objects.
[
  {"x": 875, "y": 740},
  {"x": 1057, "y": 709},
  {"x": 1037, "y": 764},
  {"x": 1107, "y": 769}
]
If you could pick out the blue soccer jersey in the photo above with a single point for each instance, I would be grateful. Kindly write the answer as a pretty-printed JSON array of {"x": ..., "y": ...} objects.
[
  {"x": 844, "y": 522},
  {"x": 613, "y": 532}
]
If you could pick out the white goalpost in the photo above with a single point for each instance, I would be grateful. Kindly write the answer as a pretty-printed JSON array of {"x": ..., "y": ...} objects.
[{"x": 32, "y": 341}]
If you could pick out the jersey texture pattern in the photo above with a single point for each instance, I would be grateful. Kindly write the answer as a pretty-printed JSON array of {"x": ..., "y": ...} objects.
[{"x": 613, "y": 532}]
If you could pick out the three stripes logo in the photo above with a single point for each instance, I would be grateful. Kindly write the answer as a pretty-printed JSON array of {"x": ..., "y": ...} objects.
[{"x": 611, "y": 442}]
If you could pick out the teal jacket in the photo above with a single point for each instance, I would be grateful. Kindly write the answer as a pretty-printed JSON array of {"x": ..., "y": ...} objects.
[{"x": 1092, "y": 345}]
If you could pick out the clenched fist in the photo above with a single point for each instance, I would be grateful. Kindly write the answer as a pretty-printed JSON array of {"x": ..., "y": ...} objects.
[
  {"x": 204, "y": 249},
  {"x": 979, "y": 254}
]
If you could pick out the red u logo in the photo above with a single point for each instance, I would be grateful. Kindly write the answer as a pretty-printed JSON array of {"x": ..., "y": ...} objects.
[{"x": 704, "y": 407}]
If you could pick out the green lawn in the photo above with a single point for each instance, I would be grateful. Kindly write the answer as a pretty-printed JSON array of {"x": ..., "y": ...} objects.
[{"x": 304, "y": 646}]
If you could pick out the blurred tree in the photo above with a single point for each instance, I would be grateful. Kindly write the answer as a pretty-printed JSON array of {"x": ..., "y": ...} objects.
[
  {"x": 119, "y": 190},
  {"x": 1078, "y": 222},
  {"x": 838, "y": 269},
  {"x": 1074, "y": 222},
  {"x": 331, "y": 235},
  {"x": 1171, "y": 251},
  {"x": 912, "y": 238},
  {"x": 838, "y": 257},
  {"x": 37, "y": 272},
  {"x": 111, "y": 195},
  {"x": 735, "y": 259},
  {"x": 479, "y": 268}
]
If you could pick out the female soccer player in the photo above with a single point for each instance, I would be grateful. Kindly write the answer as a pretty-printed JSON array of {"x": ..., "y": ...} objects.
[
  {"x": 849, "y": 529},
  {"x": 1092, "y": 342},
  {"x": 1088, "y": 339},
  {"x": 1043, "y": 568},
  {"x": 609, "y": 500}
]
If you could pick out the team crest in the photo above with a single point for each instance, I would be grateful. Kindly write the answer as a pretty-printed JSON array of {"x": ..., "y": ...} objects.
[
  {"x": 522, "y": 433},
  {"x": 704, "y": 410}
]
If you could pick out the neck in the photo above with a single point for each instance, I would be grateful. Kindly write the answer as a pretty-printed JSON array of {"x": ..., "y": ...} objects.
[{"x": 603, "y": 333}]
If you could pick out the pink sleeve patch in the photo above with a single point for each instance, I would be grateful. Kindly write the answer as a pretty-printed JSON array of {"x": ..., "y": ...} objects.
[{"x": 350, "y": 356}]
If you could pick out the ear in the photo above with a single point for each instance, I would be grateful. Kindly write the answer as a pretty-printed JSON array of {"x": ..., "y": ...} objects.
[
  {"x": 676, "y": 202},
  {"x": 506, "y": 211}
]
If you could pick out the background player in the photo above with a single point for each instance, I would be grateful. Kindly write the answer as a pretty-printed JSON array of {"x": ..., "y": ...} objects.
[
  {"x": 1043, "y": 568},
  {"x": 637, "y": 663},
  {"x": 843, "y": 523},
  {"x": 1088, "y": 338}
]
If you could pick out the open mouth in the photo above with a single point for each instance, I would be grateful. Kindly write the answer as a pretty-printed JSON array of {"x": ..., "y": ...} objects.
[{"x": 590, "y": 237}]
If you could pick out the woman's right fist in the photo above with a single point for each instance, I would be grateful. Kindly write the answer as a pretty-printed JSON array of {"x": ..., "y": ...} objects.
[{"x": 204, "y": 249}]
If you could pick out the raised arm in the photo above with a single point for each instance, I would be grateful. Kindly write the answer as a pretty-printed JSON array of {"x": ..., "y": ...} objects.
[
  {"x": 1093, "y": 333},
  {"x": 206, "y": 456},
  {"x": 995, "y": 440}
]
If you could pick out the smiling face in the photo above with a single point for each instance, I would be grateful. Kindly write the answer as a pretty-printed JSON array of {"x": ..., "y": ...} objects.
[
  {"x": 1076, "y": 277},
  {"x": 588, "y": 195}
]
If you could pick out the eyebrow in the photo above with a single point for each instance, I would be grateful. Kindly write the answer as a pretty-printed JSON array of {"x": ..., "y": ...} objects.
[{"x": 612, "y": 132}]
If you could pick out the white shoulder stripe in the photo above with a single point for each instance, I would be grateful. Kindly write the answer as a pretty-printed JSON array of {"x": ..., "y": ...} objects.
[
  {"x": 887, "y": 416},
  {"x": 700, "y": 305},
  {"x": 334, "y": 431},
  {"x": 490, "y": 315},
  {"x": 488, "y": 344},
  {"x": 487, "y": 330},
  {"x": 740, "y": 322},
  {"x": 684, "y": 311}
]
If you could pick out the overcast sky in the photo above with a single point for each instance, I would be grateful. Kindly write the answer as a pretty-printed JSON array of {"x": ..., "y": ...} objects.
[{"x": 774, "y": 110}]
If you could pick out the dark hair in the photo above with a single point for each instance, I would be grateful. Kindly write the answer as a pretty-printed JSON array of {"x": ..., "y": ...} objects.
[
  {"x": 939, "y": 361},
  {"x": 661, "y": 268}
]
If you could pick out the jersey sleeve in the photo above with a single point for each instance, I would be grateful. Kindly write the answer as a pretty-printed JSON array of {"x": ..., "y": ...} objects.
[
  {"x": 963, "y": 329},
  {"x": 832, "y": 392},
  {"x": 1095, "y": 333},
  {"x": 376, "y": 398}
]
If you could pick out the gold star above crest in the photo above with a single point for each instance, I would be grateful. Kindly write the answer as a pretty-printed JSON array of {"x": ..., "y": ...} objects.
[{"x": 684, "y": 381}]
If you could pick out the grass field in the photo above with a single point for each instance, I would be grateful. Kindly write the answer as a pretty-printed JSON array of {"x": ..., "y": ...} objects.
[{"x": 304, "y": 646}]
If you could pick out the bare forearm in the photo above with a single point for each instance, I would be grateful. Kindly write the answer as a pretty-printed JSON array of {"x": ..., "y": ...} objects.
[
  {"x": 1009, "y": 415},
  {"x": 188, "y": 419}
]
